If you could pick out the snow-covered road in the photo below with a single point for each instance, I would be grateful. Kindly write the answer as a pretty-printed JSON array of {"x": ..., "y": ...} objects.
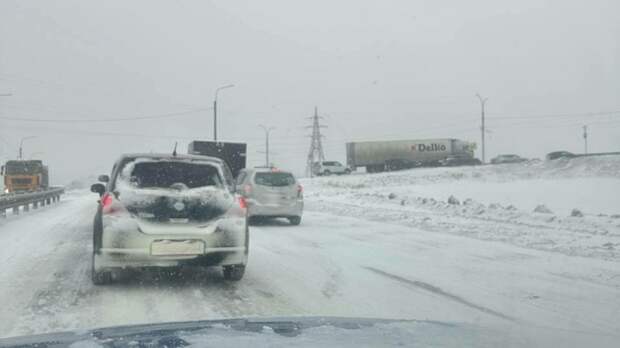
[{"x": 330, "y": 265}]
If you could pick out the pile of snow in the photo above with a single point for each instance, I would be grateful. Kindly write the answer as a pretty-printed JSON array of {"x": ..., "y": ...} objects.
[{"x": 568, "y": 206}]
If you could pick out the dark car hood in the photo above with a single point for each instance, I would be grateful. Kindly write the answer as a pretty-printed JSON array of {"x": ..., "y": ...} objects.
[
  {"x": 302, "y": 331},
  {"x": 308, "y": 332}
]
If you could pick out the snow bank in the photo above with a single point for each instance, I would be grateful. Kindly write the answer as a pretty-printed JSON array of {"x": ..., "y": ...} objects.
[{"x": 569, "y": 206}]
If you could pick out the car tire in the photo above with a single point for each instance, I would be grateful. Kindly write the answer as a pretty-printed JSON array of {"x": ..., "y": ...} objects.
[
  {"x": 233, "y": 272},
  {"x": 100, "y": 277},
  {"x": 295, "y": 220},
  {"x": 347, "y": 171},
  {"x": 255, "y": 220},
  {"x": 327, "y": 172}
]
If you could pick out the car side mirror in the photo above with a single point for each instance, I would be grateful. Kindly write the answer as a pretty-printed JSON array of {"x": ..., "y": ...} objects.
[
  {"x": 98, "y": 188},
  {"x": 103, "y": 178}
]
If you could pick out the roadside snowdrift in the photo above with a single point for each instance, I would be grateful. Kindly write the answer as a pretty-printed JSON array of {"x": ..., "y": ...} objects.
[{"x": 568, "y": 206}]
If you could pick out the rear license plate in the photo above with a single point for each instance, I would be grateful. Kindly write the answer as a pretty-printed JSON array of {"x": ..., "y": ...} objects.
[{"x": 175, "y": 247}]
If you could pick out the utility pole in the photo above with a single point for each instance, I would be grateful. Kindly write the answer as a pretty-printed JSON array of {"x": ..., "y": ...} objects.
[
  {"x": 215, "y": 110},
  {"x": 483, "y": 101},
  {"x": 585, "y": 139},
  {"x": 267, "y": 132},
  {"x": 316, "y": 153}
]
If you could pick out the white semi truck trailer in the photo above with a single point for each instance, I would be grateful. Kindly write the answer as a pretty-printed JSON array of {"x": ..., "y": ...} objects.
[{"x": 378, "y": 156}]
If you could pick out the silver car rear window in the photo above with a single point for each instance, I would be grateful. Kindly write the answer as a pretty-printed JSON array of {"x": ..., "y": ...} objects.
[{"x": 274, "y": 179}]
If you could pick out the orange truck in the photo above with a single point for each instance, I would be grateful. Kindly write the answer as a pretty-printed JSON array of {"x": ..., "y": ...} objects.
[{"x": 25, "y": 176}]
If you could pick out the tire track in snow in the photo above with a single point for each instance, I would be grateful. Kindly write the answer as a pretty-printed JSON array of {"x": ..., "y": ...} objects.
[{"x": 438, "y": 291}]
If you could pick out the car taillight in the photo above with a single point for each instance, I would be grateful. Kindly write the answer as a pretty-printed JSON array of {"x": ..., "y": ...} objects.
[
  {"x": 300, "y": 190},
  {"x": 106, "y": 201},
  {"x": 242, "y": 203},
  {"x": 110, "y": 205}
]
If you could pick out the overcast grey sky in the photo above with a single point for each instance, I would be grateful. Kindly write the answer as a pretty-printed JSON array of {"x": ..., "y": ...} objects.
[{"x": 376, "y": 70}]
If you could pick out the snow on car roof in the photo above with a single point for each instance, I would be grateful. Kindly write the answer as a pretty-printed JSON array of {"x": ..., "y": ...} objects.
[
  {"x": 267, "y": 170},
  {"x": 170, "y": 156}
]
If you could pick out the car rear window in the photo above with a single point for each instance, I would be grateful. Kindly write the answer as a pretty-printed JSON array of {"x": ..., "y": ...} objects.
[
  {"x": 164, "y": 174},
  {"x": 274, "y": 179}
]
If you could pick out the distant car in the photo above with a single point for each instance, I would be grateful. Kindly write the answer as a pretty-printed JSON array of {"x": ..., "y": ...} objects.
[
  {"x": 271, "y": 193},
  {"x": 161, "y": 210},
  {"x": 330, "y": 167},
  {"x": 460, "y": 160},
  {"x": 560, "y": 154},
  {"x": 507, "y": 159}
]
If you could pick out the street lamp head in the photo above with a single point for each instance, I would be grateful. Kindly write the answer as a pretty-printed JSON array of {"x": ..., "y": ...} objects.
[
  {"x": 21, "y": 144},
  {"x": 266, "y": 129},
  {"x": 21, "y": 141},
  {"x": 221, "y": 88}
]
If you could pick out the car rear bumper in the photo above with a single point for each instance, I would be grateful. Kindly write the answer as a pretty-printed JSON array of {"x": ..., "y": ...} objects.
[
  {"x": 125, "y": 245},
  {"x": 114, "y": 258},
  {"x": 294, "y": 208}
]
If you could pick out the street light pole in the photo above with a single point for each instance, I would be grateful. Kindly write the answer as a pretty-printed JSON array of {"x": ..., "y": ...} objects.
[
  {"x": 482, "y": 104},
  {"x": 215, "y": 110},
  {"x": 21, "y": 144},
  {"x": 267, "y": 131},
  {"x": 585, "y": 139},
  {"x": 5, "y": 95}
]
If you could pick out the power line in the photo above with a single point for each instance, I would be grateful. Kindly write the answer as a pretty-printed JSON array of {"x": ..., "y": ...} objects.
[
  {"x": 567, "y": 115},
  {"x": 120, "y": 119},
  {"x": 100, "y": 133}
]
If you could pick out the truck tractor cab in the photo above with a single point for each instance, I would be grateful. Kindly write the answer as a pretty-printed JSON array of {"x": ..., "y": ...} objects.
[{"x": 24, "y": 176}]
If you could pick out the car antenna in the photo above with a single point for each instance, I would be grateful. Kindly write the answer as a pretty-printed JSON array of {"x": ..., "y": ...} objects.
[{"x": 174, "y": 152}]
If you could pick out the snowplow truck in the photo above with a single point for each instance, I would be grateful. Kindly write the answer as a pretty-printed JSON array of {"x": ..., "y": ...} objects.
[{"x": 25, "y": 176}]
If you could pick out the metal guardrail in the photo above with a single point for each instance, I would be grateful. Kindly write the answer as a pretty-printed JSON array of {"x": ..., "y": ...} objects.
[{"x": 35, "y": 199}]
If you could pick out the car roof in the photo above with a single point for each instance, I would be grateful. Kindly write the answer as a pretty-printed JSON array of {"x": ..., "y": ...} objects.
[
  {"x": 160, "y": 156},
  {"x": 559, "y": 153},
  {"x": 265, "y": 170}
]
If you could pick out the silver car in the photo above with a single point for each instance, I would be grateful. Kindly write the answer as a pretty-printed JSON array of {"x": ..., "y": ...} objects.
[
  {"x": 167, "y": 211},
  {"x": 501, "y": 159},
  {"x": 271, "y": 193}
]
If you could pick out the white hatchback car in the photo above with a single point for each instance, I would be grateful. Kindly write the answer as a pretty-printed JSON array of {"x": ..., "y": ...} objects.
[
  {"x": 271, "y": 193},
  {"x": 167, "y": 211}
]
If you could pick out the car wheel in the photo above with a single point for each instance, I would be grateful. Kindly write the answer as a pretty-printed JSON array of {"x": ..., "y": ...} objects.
[
  {"x": 255, "y": 220},
  {"x": 295, "y": 220},
  {"x": 327, "y": 172},
  {"x": 234, "y": 272},
  {"x": 347, "y": 171},
  {"x": 100, "y": 277}
]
